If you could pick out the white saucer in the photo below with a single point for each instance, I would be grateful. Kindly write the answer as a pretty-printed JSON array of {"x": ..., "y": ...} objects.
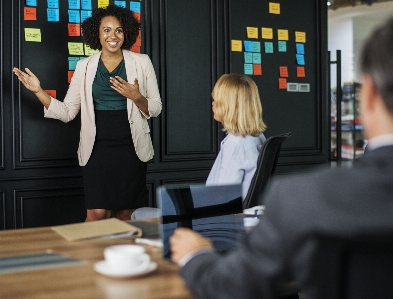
[{"x": 102, "y": 268}]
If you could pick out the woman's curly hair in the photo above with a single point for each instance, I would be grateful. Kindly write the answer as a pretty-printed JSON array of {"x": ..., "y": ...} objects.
[{"x": 91, "y": 26}]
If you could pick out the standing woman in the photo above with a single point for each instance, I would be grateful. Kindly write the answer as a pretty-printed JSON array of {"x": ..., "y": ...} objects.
[{"x": 116, "y": 91}]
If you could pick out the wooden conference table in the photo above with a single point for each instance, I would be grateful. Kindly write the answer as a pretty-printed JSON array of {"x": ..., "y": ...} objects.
[{"x": 81, "y": 281}]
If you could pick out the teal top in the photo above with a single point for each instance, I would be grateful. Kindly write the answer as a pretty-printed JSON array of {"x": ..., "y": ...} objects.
[{"x": 104, "y": 97}]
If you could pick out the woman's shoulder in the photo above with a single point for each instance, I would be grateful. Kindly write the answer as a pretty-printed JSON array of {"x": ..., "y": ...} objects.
[{"x": 136, "y": 56}]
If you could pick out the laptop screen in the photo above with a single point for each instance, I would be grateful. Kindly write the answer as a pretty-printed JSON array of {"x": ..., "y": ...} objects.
[{"x": 213, "y": 211}]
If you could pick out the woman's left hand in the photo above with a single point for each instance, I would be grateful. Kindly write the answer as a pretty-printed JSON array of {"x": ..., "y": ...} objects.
[{"x": 130, "y": 91}]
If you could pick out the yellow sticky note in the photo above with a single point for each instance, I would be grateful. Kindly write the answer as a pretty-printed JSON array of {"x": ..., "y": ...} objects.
[
  {"x": 267, "y": 33},
  {"x": 89, "y": 51},
  {"x": 75, "y": 48},
  {"x": 33, "y": 35},
  {"x": 103, "y": 3},
  {"x": 237, "y": 45},
  {"x": 282, "y": 34},
  {"x": 252, "y": 32},
  {"x": 300, "y": 36},
  {"x": 274, "y": 8}
]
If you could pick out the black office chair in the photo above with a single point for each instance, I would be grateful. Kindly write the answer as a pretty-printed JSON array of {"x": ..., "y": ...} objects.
[
  {"x": 353, "y": 269},
  {"x": 266, "y": 167}
]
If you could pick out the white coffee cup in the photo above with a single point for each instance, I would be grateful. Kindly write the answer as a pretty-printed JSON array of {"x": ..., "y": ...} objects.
[{"x": 127, "y": 258}]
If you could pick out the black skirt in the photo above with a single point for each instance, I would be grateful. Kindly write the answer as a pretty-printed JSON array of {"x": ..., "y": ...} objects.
[{"x": 114, "y": 178}]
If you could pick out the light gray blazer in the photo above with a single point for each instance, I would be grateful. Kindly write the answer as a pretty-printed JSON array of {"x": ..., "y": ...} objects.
[{"x": 79, "y": 97}]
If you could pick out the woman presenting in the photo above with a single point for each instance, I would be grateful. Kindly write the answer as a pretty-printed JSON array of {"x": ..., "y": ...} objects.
[{"x": 116, "y": 92}]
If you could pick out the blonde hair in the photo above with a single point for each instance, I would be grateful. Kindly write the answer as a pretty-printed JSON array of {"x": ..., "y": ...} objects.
[{"x": 238, "y": 106}]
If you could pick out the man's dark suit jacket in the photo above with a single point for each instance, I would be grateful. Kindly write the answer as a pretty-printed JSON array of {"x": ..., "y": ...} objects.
[{"x": 343, "y": 202}]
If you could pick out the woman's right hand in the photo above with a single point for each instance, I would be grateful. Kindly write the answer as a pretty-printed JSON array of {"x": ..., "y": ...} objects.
[{"x": 28, "y": 79}]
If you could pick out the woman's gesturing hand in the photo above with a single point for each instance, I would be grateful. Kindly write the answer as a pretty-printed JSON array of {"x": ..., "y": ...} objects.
[
  {"x": 126, "y": 89},
  {"x": 28, "y": 79}
]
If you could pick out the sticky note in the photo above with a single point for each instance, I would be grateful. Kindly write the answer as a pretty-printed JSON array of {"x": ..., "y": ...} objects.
[
  {"x": 267, "y": 33},
  {"x": 74, "y": 4},
  {"x": 121, "y": 3},
  {"x": 304, "y": 87},
  {"x": 31, "y": 2},
  {"x": 75, "y": 48},
  {"x": 282, "y": 46},
  {"x": 30, "y": 14},
  {"x": 299, "y": 48},
  {"x": 135, "y": 6},
  {"x": 72, "y": 61},
  {"x": 135, "y": 49},
  {"x": 248, "y": 46},
  {"x": 85, "y": 14},
  {"x": 247, "y": 57},
  {"x": 70, "y": 74},
  {"x": 252, "y": 32},
  {"x": 256, "y": 58},
  {"x": 282, "y": 83},
  {"x": 248, "y": 69},
  {"x": 300, "y": 71},
  {"x": 53, "y": 14},
  {"x": 257, "y": 68},
  {"x": 300, "y": 59},
  {"x": 236, "y": 45},
  {"x": 283, "y": 71},
  {"x": 138, "y": 41},
  {"x": 300, "y": 36},
  {"x": 53, "y": 3},
  {"x": 89, "y": 51},
  {"x": 274, "y": 8},
  {"x": 74, "y": 16},
  {"x": 51, "y": 92},
  {"x": 269, "y": 47},
  {"x": 292, "y": 86},
  {"x": 256, "y": 46},
  {"x": 74, "y": 29},
  {"x": 282, "y": 34},
  {"x": 86, "y": 5},
  {"x": 137, "y": 15},
  {"x": 33, "y": 35},
  {"x": 103, "y": 3}
]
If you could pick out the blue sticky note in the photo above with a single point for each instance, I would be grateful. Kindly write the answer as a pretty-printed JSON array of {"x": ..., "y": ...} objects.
[
  {"x": 256, "y": 46},
  {"x": 53, "y": 14},
  {"x": 256, "y": 58},
  {"x": 31, "y": 2},
  {"x": 53, "y": 3},
  {"x": 121, "y": 3},
  {"x": 85, "y": 14},
  {"x": 247, "y": 46},
  {"x": 299, "y": 48},
  {"x": 72, "y": 63},
  {"x": 282, "y": 46},
  {"x": 247, "y": 57},
  {"x": 268, "y": 47},
  {"x": 135, "y": 6},
  {"x": 86, "y": 5},
  {"x": 248, "y": 69},
  {"x": 74, "y": 4},
  {"x": 74, "y": 16},
  {"x": 300, "y": 59}
]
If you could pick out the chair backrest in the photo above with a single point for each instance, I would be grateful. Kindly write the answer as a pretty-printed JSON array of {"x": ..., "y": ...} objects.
[
  {"x": 353, "y": 269},
  {"x": 266, "y": 166}
]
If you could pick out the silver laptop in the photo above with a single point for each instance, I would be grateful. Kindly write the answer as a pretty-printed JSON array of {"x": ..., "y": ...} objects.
[{"x": 213, "y": 211}]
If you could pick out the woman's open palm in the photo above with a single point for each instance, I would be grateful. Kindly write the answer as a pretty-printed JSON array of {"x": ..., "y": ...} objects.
[{"x": 28, "y": 79}]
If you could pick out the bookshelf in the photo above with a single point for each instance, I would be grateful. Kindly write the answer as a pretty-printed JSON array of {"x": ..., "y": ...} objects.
[{"x": 352, "y": 138}]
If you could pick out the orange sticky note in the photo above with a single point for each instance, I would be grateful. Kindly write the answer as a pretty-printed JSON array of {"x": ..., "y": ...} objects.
[
  {"x": 300, "y": 71},
  {"x": 30, "y": 14},
  {"x": 135, "y": 49},
  {"x": 137, "y": 15},
  {"x": 257, "y": 69},
  {"x": 70, "y": 74},
  {"x": 283, "y": 71},
  {"x": 51, "y": 92},
  {"x": 282, "y": 83},
  {"x": 138, "y": 41},
  {"x": 74, "y": 29}
]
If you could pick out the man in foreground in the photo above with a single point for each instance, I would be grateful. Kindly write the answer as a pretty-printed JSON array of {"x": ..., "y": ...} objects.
[{"x": 340, "y": 202}]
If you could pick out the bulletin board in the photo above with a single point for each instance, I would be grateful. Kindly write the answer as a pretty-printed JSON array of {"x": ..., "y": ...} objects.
[{"x": 280, "y": 46}]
